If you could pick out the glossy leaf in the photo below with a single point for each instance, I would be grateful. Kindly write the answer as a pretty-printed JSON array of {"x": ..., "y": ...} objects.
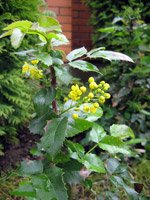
[
  {"x": 55, "y": 175},
  {"x": 78, "y": 126},
  {"x": 118, "y": 181},
  {"x": 42, "y": 100},
  {"x": 111, "y": 165},
  {"x": 44, "y": 58},
  {"x": 84, "y": 66},
  {"x": 16, "y": 38},
  {"x": 77, "y": 53},
  {"x": 110, "y": 55},
  {"x": 96, "y": 134},
  {"x": 25, "y": 189},
  {"x": 24, "y": 24},
  {"x": 55, "y": 135},
  {"x": 48, "y": 22},
  {"x": 93, "y": 163},
  {"x": 113, "y": 145},
  {"x": 37, "y": 124},
  {"x": 95, "y": 116},
  {"x": 121, "y": 131},
  {"x": 31, "y": 167},
  {"x": 60, "y": 40}
]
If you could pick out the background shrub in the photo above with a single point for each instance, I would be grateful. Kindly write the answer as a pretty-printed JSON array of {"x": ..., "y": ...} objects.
[
  {"x": 15, "y": 99},
  {"x": 124, "y": 26}
]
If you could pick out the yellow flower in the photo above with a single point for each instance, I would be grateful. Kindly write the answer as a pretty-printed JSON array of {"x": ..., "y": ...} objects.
[
  {"x": 102, "y": 82},
  {"x": 75, "y": 116},
  {"x": 93, "y": 85},
  {"x": 83, "y": 89},
  {"x": 91, "y": 79},
  {"x": 106, "y": 86},
  {"x": 86, "y": 108},
  {"x": 96, "y": 105},
  {"x": 34, "y": 62},
  {"x": 65, "y": 98},
  {"x": 101, "y": 99},
  {"x": 90, "y": 95},
  {"x": 93, "y": 109},
  {"x": 107, "y": 95}
]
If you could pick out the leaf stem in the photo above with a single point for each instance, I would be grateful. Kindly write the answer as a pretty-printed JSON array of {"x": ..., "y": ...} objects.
[
  {"x": 53, "y": 83},
  {"x": 92, "y": 148}
]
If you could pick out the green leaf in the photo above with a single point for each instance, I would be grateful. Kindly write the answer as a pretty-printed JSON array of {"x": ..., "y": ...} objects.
[
  {"x": 60, "y": 40},
  {"x": 55, "y": 175},
  {"x": 84, "y": 66},
  {"x": 49, "y": 22},
  {"x": 113, "y": 145},
  {"x": 111, "y": 165},
  {"x": 25, "y": 189},
  {"x": 7, "y": 33},
  {"x": 78, "y": 126},
  {"x": 43, "y": 187},
  {"x": 37, "y": 124},
  {"x": 31, "y": 167},
  {"x": 95, "y": 116},
  {"x": 43, "y": 99},
  {"x": 23, "y": 25},
  {"x": 110, "y": 55},
  {"x": 97, "y": 133},
  {"x": 93, "y": 163},
  {"x": 44, "y": 58},
  {"x": 55, "y": 135},
  {"x": 63, "y": 75},
  {"x": 16, "y": 38},
  {"x": 76, "y": 150},
  {"x": 118, "y": 181},
  {"x": 73, "y": 177},
  {"x": 121, "y": 131},
  {"x": 77, "y": 53}
]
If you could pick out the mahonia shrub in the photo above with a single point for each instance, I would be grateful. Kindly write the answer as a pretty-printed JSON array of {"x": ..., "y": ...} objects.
[{"x": 59, "y": 160}]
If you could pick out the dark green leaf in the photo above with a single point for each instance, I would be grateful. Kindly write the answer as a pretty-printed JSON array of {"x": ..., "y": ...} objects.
[
  {"x": 25, "y": 189},
  {"x": 118, "y": 181},
  {"x": 111, "y": 165},
  {"x": 121, "y": 131},
  {"x": 31, "y": 167},
  {"x": 44, "y": 58},
  {"x": 78, "y": 126},
  {"x": 113, "y": 145},
  {"x": 42, "y": 100},
  {"x": 55, "y": 135},
  {"x": 96, "y": 134},
  {"x": 84, "y": 66},
  {"x": 93, "y": 163},
  {"x": 37, "y": 124},
  {"x": 56, "y": 177},
  {"x": 77, "y": 53}
]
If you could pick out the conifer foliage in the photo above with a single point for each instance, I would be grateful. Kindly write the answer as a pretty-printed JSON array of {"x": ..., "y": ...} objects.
[{"x": 15, "y": 101}]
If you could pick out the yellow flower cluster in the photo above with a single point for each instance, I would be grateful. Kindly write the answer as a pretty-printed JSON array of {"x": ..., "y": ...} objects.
[
  {"x": 32, "y": 70},
  {"x": 76, "y": 92},
  {"x": 94, "y": 96}
]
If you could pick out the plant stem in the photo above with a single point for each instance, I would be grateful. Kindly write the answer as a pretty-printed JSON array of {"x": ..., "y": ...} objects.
[
  {"x": 92, "y": 148},
  {"x": 53, "y": 83}
]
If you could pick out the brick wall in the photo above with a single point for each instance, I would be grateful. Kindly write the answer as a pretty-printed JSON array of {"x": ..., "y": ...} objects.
[
  {"x": 81, "y": 30},
  {"x": 73, "y": 16}
]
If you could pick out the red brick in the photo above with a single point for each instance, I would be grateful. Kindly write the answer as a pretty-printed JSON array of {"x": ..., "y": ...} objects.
[
  {"x": 80, "y": 21},
  {"x": 79, "y": 6},
  {"x": 75, "y": 13},
  {"x": 67, "y": 27},
  {"x": 64, "y": 19},
  {"x": 65, "y": 11},
  {"x": 85, "y": 29},
  {"x": 84, "y": 15},
  {"x": 68, "y": 35},
  {"x": 55, "y": 9},
  {"x": 59, "y": 3}
]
